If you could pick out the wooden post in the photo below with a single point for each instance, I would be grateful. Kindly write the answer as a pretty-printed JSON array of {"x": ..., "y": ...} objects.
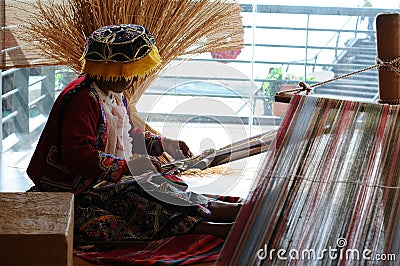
[{"x": 388, "y": 48}]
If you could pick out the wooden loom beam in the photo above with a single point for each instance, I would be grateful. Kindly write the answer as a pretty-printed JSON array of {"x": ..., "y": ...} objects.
[
  {"x": 235, "y": 151},
  {"x": 388, "y": 48}
]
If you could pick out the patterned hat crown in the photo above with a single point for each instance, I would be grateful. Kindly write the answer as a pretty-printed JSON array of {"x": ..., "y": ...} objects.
[{"x": 116, "y": 51}]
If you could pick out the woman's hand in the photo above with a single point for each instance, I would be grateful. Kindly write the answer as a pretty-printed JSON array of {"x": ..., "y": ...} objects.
[
  {"x": 176, "y": 148},
  {"x": 143, "y": 165}
]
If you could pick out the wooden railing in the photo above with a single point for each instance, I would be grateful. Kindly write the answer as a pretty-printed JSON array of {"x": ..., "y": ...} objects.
[{"x": 25, "y": 99}]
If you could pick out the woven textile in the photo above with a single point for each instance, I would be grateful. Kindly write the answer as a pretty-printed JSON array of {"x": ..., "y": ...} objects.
[
  {"x": 178, "y": 250},
  {"x": 328, "y": 193}
]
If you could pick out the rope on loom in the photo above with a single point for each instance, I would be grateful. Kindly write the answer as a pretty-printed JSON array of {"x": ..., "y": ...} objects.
[{"x": 382, "y": 64}]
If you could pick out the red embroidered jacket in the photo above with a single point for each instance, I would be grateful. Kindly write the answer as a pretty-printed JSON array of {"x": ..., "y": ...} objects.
[{"x": 70, "y": 153}]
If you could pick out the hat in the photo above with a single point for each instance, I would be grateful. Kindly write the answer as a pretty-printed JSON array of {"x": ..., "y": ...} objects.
[{"x": 116, "y": 51}]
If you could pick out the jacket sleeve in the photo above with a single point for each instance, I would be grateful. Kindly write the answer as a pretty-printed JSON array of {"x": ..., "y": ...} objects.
[
  {"x": 146, "y": 142},
  {"x": 80, "y": 128}
]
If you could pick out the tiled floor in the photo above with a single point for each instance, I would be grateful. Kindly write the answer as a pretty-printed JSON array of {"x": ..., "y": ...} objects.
[{"x": 13, "y": 177}]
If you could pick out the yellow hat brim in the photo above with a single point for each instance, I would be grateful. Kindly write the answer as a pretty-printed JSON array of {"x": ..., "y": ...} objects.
[{"x": 115, "y": 71}]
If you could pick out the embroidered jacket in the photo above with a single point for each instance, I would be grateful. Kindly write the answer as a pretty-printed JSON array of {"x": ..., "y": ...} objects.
[{"x": 70, "y": 153}]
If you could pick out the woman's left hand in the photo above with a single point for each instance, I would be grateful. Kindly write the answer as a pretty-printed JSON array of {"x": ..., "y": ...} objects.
[{"x": 176, "y": 148}]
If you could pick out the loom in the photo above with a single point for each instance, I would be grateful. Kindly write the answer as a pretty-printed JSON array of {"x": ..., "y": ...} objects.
[
  {"x": 329, "y": 193},
  {"x": 233, "y": 152}
]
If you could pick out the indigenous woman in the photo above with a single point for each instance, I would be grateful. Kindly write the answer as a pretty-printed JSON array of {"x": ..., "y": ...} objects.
[{"x": 89, "y": 141}]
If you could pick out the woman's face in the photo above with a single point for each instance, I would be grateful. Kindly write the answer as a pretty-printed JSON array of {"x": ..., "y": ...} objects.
[{"x": 115, "y": 86}]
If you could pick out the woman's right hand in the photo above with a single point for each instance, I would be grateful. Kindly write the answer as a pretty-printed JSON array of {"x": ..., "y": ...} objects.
[{"x": 143, "y": 165}]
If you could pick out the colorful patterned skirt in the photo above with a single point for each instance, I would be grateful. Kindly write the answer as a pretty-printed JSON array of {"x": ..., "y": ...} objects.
[{"x": 145, "y": 208}]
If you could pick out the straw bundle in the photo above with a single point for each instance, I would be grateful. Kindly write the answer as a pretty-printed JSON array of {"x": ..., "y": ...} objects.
[
  {"x": 182, "y": 28},
  {"x": 215, "y": 171}
]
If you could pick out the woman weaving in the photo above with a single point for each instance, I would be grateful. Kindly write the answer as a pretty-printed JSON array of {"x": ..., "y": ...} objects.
[{"x": 89, "y": 139}]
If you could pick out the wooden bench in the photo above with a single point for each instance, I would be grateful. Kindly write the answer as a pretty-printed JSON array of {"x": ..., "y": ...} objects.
[{"x": 36, "y": 228}]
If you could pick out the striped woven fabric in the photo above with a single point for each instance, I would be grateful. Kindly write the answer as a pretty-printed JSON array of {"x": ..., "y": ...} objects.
[
  {"x": 177, "y": 250},
  {"x": 329, "y": 191}
]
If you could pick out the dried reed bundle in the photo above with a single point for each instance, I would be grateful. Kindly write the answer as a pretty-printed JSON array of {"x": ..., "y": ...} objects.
[{"x": 182, "y": 28}]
